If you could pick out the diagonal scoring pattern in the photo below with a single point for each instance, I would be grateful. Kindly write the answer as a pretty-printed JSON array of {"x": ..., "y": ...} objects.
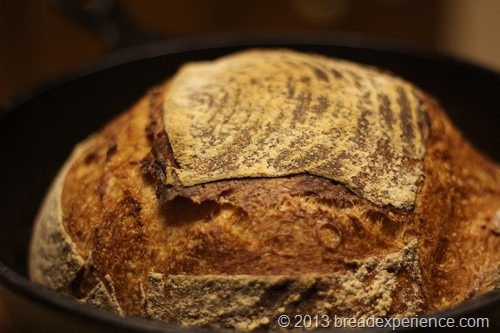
[{"x": 271, "y": 113}]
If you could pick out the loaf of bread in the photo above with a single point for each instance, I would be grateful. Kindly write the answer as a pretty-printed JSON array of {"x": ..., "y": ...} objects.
[{"x": 273, "y": 182}]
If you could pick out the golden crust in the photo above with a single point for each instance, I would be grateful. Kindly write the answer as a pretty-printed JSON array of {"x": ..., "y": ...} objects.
[{"x": 294, "y": 242}]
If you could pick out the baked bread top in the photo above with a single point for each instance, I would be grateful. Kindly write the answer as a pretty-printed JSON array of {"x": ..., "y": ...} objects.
[
  {"x": 271, "y": 114},
  {"x": 273, "y": 182}
]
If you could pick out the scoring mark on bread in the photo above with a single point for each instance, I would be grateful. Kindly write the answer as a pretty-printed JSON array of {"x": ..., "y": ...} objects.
[
  {"x": 103, "y": 295},
  {"x": 182, "y": 210},
  {"x": 322, "y": 125},
  {"x": 243, "y": 301}
]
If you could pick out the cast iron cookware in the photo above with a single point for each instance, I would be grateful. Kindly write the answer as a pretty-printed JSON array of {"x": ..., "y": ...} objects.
[{"x": 38, "y": 132}]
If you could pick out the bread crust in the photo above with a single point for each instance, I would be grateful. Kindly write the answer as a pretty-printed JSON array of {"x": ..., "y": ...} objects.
[
  {"x": 54, "y": 260},
  {"x": 126, "y": 233},
  {"x": 279, "y": 113}
]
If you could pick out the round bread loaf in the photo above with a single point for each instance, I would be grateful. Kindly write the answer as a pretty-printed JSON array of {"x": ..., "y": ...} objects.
[{"x": 273, "y": 182}]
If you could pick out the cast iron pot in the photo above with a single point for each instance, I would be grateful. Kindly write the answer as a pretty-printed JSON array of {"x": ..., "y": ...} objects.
[{"x": 38, "y": 132}]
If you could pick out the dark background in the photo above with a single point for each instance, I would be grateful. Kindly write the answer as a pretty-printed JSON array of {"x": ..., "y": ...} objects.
[{"x": 41, "y": 39}]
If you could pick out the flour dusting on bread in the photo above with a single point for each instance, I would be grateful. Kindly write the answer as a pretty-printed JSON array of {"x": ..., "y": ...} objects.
[{"x": 277, "y": 113}]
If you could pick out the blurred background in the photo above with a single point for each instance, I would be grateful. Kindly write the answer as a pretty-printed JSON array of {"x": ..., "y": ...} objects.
[{"x": 41, "y": 39}]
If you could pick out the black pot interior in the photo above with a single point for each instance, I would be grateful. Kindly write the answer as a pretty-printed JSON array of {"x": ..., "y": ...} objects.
[{"x": 37, "y": 135}]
